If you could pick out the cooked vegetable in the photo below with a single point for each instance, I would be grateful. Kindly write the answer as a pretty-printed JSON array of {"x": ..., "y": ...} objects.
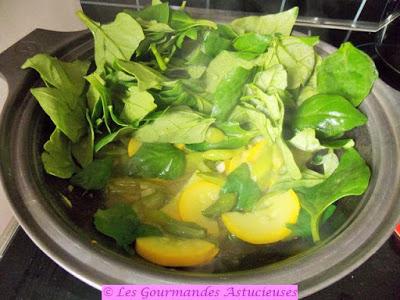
[
  {"x": 122, "y": 224},
  {"x": 173, "y": 252},
  {"x": 351, "y": 177},
  {"x": 331, "y": 115},
  {"x": 195, "y": 197},
  {"x": 247, "y": 190},
  {"x": 267, "y": 223},
  {"x": 201, "y": 131},
  {"x": 156, "y": 161},
  {"x": 95, "y": 175},
  {"x": 225, "y": 203},
  {"x": 175, "y": 227},
  {"x": 348, "y": 72}
]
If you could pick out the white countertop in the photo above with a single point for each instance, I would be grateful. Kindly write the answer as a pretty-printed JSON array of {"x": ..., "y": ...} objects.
[{"x": 17, "y": 19}]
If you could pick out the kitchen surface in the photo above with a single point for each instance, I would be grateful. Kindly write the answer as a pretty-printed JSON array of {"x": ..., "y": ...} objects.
[{"x": 27, "y": 273}]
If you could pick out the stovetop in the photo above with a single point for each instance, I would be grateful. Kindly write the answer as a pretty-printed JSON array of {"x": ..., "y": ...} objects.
[{"x": 27, "y": 273}]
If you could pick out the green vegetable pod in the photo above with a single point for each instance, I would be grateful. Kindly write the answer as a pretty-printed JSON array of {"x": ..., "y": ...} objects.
[
  {"x": 224, "y": 204},
  {"x": 175, "y": 227}
]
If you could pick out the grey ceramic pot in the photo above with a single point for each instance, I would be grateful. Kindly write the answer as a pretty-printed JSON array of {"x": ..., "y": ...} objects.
[{"x": 369, "y": 220}]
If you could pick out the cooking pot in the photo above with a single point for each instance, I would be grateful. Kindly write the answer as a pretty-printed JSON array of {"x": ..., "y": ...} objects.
[{"x": 368, "y": 220}]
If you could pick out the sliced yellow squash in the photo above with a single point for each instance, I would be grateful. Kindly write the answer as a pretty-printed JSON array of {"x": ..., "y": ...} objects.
[
  {"x": 173, "y": 252},
  {"x": 267, "y": 223},
  {"x": 196, "y": 196}
]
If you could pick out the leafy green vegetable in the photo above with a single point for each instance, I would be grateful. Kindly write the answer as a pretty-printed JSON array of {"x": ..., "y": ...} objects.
[
  {"x": 224, "y": 63},
  {"x": 214, "y": 43},
  {"x": 329, "y": 161},
  {"x": 350, "y": 178},
  {"x": 179, "y": 125},
  {"x": 305, "y": 140},
  {"x": 99, "y": 98},
  {"x": 224, "y": 204},
  {"x": 147, "y": 77},
  {"x": 179, "y": 92},
  {"x": 337, "y": 144},
  {"x": 277, "y": 23},
  {"x": 65, "y": 109},
  {"x": 109, "y": 138},
  {"x": 83, "y": 150},
  {"x": 138, "y": 104},
  {"x": 118, "y": 39},
  {"x": 157, "y": 161},
  {"x": 175, "y": 227},
  {"x": 309, "y": 40},
  {"x": 241, "y": 183},
  {"x": 181, "y": 21},
  {"x": 122, "y": 224},
  {"x": 270, "y": 105},
  {"x": 297, "y": 57},
  {"x": 61, "y": 100},
  {"x": 228, "y": 92},
  {"x": 57, "y": 159},
  {"x": 308, "y": 178},
  {"x": 235, "y": 137},
  {"x": 65, "y": 76},
  {"x": 252, "y": 42},
  {"x": 331, "y": 115},
  {"x": 348, "y": 72},
  {"x": 310, "y": 89},
  {"x": 95, "y": 175},
  {"x": 271, "y": 79},
  {"x": 302, "y": 226},
  {"x": 159, "y": 13}
]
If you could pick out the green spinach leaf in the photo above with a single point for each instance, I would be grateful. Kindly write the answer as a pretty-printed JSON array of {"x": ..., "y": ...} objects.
[
  {"x": 310, "y": 89},
  {"x": 348, "y": 72},
  {"x": 179, "y": 92},
  {"x": 252, "y": 42},
  {"x": 57, "y": 159},
  {"x": 272, "y": 79},
  {"x": 214, "y": 43},
  {"x": 84, "y": 149},
  {"x": 121, "y": 223},
  {"x": 118, "y": 39},
  {"x": 228, "y": 92},
  {"x": 302, "y": 227},
  {"x": 179, "y": 125},
  {"x": 331, "y": 115},
  {"x": 241, "y": 183},
  {"x": 159, "y": 13},
  {"x": 137, "y": 105},
  {"x": 65, "y": 76},
  {"x": 181, "y": 21},
  {"x": 65, "y": 109},
  {"x": 99, "y": 98},
  {"x": 235, "y": 137},
  {"x": 309, "y": 40},
  {"x": 157, "y": 161},
  {"x": 146, "y": 77},
  {"x": 297, "y": 57},
  {"x": 224, "y": 63},
  {"x": 277, "y": 23},
  {"x": 111, "y": 137},
  {"x": 95, "y": 175},
  {"x": 305, "y": 140},
  {"x": 350, "y": 178}
]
